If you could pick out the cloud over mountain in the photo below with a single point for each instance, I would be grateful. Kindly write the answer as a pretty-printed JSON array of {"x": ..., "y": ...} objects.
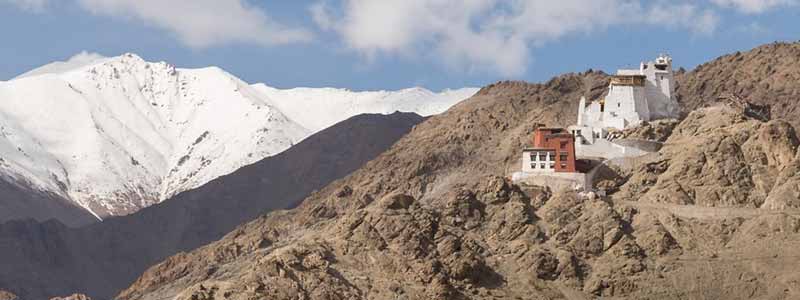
[
  {"x": 489, "y": 35},
  {"x": 196, "y": 23},
  {"x": 203, "y": 23}
]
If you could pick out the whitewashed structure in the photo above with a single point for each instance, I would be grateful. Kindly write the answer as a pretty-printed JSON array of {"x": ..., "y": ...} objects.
[{"x": 634, "y": 95}]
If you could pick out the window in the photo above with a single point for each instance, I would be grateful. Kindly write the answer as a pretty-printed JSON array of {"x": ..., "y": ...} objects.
[
  {"x": 552, "y": 165},
  {"x": 563, "y": 156},
  {"x": 541, "y": 166},
  {"x": 619, "y": 104},
  {"x": 542, "y": 156},
  {"x": 532, "y": 156},
  {"x": 563, "y": 165}
]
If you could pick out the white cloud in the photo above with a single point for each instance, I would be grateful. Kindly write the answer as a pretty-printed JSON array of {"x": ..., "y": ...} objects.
[
  {"x": 753, "y": 29},
  {"x": 197, "y": 23},
  {"x": 490, "y": 35},
  {"x": 31, "y": 5},
  {"x": 203, "y": 23},
  {"x": 85, "y": 57},
  {"x": 754, "y": 6}
]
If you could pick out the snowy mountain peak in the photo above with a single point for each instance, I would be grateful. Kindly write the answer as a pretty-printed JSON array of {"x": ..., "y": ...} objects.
[
  {"x": 114, "y": 135},
  {"x": 318, "y": 108},
  {"x": 122, "y": 133},
  {"x": 75, "y": 62}
]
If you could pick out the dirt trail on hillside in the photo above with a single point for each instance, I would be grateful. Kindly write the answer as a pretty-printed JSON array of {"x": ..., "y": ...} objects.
[{"x": 699, "y": 212}]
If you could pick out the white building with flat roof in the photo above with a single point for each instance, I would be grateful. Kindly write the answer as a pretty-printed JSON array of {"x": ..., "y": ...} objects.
[{"x": 634, "y": 96}]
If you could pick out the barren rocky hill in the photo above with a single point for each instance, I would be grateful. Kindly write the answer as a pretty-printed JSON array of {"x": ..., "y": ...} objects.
[
  {"x": 433, "y": 218},
  {"x": 43, "y": 260},
  {"x": 769, "y": 74}
]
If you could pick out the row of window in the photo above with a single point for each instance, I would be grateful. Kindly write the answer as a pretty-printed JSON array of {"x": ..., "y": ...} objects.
[
  {"x": 548, "y": 156},
  {"x": 543, "y": 166}
]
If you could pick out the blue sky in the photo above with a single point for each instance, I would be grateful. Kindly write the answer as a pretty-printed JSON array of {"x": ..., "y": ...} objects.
[{"x": 390, "y": 44}]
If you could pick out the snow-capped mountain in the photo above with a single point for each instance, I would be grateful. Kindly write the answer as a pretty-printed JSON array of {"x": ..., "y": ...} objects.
[
  {"x": 114, "y": 135},
  {"x": 124, "y": 134},
  {"x": 319, "y": 108}
]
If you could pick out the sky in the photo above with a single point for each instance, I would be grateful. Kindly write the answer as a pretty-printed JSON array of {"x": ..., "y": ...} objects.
[{"x": 391, "y": 44}]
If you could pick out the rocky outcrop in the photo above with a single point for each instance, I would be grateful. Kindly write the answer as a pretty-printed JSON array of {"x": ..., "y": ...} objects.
[
  {"x": 718, "y": 157},
  {"x": 73, "y": 297},
  {"x": 4, "y": 295},
  {"x": 469, "y": 244},
  {"x": 658, "y": 131}
]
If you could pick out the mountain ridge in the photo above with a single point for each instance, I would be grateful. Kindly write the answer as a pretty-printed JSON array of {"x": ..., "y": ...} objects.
[{"x": 122, "y": 133}]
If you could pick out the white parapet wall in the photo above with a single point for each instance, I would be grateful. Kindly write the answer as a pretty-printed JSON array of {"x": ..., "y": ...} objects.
[
  {"x": 555, "y": 181},
  {"x": 607, "y": 149}
]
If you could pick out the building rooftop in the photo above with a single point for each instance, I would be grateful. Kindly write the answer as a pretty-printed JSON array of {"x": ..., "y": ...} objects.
[{"x": 531, "y": 148}]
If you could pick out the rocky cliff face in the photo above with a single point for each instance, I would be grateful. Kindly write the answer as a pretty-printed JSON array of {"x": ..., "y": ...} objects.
[{"x": 431, "y": 219}]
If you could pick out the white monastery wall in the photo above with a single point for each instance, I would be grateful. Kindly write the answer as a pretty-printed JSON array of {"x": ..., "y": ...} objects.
[{"x": 555, "y": 181}]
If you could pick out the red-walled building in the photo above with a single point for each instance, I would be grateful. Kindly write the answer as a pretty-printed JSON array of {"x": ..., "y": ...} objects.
[{"x": 553, "y": 150}]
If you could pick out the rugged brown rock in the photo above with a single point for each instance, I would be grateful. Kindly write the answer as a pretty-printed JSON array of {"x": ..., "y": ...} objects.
[
  {"x": 719, "y": 157},
  {"x": 73, "y": 297},
  {"x": 658, "y": 130},
  {"x": 768, "y": 74},
  {"x": 4, "y": 295}
]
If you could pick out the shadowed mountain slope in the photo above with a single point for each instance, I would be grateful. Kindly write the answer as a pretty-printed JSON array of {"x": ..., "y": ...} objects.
[
  {"x": 42, "y": 260},
  {"x": 17, "y": 200}
]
